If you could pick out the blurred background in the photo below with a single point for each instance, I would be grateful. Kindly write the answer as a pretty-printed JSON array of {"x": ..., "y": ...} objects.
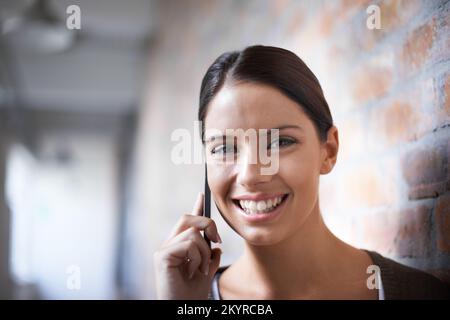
[{"x": 88, "y": 190}]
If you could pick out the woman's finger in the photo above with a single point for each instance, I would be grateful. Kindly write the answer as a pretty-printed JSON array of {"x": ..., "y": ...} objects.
[
  {"x": 201, "y": 223},
  {"x": 197, "y": 210},
  {"x": 194, "y": 235},
  {"x": 215, "y": 262},
  {"x": 179, "y": 254}
]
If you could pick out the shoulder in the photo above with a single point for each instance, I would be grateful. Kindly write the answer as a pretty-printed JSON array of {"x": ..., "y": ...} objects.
[{"x": 403, "y": 282}]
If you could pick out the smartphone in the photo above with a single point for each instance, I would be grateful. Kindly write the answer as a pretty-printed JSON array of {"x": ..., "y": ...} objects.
[{"x": 207, "y": 205}]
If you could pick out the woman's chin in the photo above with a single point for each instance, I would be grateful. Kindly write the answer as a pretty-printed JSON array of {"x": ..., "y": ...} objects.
[{"x": 260, "y": 238}]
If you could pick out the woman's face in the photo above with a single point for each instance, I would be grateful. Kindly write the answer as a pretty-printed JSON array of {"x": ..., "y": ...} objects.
[{"x": 239, "y": 188}]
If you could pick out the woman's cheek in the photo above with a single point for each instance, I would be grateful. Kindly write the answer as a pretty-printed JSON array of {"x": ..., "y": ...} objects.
[
  {"x": 303, "y": 183},
  {"x": 291, "y": 169},
  {"x": 219, "y": 180}
]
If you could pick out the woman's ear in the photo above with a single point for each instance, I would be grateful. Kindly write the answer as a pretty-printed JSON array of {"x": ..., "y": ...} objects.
[{"x": 330, "y": 150}]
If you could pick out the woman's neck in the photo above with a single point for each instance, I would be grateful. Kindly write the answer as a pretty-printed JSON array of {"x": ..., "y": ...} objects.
[{"x": 306, "y": 262}]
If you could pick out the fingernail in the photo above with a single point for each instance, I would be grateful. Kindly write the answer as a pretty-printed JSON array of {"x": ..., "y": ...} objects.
[{"x": 219, "y": 239}]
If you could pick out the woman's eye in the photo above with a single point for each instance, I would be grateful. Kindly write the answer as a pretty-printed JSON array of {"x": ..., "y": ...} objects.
[
  {"x": 223, "y": 149},
  {"x": 282, "y": 142}
]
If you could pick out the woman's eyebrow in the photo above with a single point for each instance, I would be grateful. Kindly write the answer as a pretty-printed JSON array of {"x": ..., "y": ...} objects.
[{"x": 287, "y": 126}]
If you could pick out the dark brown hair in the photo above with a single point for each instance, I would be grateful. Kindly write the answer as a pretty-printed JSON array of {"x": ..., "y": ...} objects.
[{"x": 276, "y": 67}]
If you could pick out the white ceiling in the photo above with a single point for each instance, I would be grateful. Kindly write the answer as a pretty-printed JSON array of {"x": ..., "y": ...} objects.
[{"x": 103, "y": 67}]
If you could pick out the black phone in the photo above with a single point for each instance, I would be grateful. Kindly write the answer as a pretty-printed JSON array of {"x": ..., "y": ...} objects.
[{"x": 207, "y": 205}]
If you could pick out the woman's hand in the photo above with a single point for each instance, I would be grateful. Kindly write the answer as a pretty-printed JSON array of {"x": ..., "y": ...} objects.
[{"x": 185, "y": 265}]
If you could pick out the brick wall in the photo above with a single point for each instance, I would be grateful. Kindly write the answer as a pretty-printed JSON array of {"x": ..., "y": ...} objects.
[{"x": 389, "y": 93}]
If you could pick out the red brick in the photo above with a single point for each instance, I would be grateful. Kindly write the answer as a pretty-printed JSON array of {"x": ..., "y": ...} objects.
[
  {"x": 409, "y": 115},
  {"x": 436, "y": 96},
  {"x": 396, "y": 13},
  {"x": 413, "y": 236},
  {"x": 366, "y": 188},
  {"x": 446, "y": 96},
  {"x": 417, "y": 48},
  {"x": 441, "y": 47},
  {"x": 399, "y": 121},
  {"x": 372, "y": 80},
  {"x": 425, "y": 171},
  {"x": 443, "y": 222},
  {"x": 404, "y": 233}
]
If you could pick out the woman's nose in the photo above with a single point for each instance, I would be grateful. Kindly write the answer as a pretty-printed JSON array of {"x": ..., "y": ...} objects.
[{"x": 250, "y": 173}]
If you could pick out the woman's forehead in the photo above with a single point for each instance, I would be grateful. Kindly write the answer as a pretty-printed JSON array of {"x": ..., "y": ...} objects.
[{"x": 249, "y": 105}]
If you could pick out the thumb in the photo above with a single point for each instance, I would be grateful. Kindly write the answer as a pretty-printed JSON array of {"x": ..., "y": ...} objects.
[{"x": 215, "y": 261}]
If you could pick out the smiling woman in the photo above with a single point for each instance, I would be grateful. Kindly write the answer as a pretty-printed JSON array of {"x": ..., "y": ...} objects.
[{"x": 289, "y": 251}]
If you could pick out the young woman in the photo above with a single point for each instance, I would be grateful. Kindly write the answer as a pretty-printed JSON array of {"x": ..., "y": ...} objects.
[{"x": 289, "y": 251}]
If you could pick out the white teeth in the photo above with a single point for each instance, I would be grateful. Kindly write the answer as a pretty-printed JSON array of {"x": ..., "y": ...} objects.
[
  {"x": 261, "y": 205},
  {"x": 253, "y": 207}
]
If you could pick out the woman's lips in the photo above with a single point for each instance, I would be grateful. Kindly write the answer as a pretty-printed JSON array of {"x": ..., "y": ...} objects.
[
  {"x": 258, "y": 196},
  {"x": 262, "y": 217}
]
